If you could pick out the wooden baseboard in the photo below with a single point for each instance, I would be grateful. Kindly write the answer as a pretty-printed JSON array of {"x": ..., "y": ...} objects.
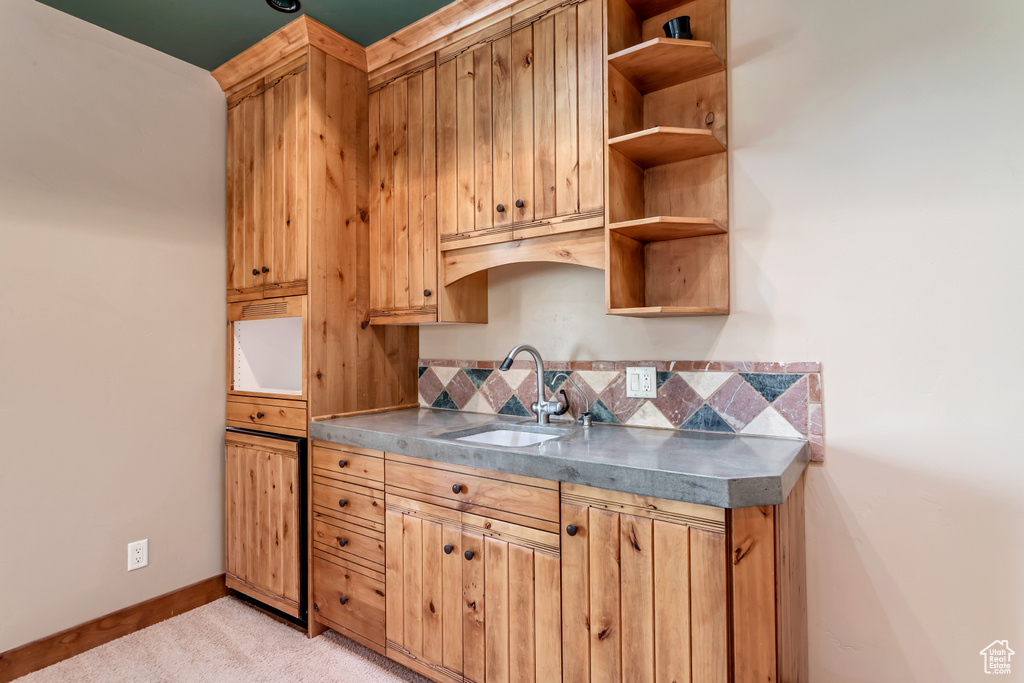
[{"x": 41, "y": 653}]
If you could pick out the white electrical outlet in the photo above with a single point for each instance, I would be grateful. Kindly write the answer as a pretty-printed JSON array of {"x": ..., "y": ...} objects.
[
  {"x": 641, "y": 383},
  {"x": 138, "y": 554}
]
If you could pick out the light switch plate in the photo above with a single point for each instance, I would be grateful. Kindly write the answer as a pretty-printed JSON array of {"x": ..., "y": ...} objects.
[{"x": 641, "y": 383}]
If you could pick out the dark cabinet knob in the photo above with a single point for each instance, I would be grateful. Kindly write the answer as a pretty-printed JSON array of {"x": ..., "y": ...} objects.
[
  {"x": 427, "y": 292},
  {"x": 265, "y": 269},
  {"x": 501, "y": 208},
  {"x": 571, "y": 529},
  {"x": 343, "y": 542},
  {"x": 316, "y": 608},
  {"x": 342, "y": 503},
  {"x": 457, "y": 488},
  {"x": 343, "y": 599},
  {"x": 255, "y": 271},
  {"x": 342, "y": 463},
  {"x": 259, "y": 416},
  {"x": 520, "y": 203},
  {"x": 469, "y": 554},
  {"x": 448, "y": 549}
]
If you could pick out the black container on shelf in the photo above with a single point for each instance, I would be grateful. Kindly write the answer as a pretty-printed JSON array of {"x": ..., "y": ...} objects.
[{"x": 678, "y": 28}]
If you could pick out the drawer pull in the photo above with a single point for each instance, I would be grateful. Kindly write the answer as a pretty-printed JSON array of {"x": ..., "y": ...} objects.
[
  {"x": 520, "y": 203},
  {"x": 259, "y": 416},
  {"x": 342, "y": 463},
  {"x": 255, "y": 271},
  {"x": 343, "y": 599},
  {"x": 343, "y": 542},
  {"x": 469, "y": 554},
  {"x": 501, "y": 208},
  {"x": 264, "y": 269},
  {"x": 571, "y": 529},
  {"x": 457, "y": 488},
  {"x": 342, "y": 503},
  {"x": 448, "y": 549}
]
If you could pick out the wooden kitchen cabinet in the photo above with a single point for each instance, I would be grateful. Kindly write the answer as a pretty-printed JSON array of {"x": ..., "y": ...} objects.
[
  {"x": 520, "y": 127},
  {"x": 658, "y": 590},
  {"x": 262, "y": 519},
  {"x": 268, "y": 184},
  {"x": 472, "y": 572},
  {"x": 404, "y": 259}
]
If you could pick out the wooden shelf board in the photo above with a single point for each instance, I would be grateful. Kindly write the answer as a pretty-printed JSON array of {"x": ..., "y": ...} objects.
[
  {"x": 666, "y": 145},
  {"x": 663, "y": 62},
  {"x": 645, "y": 9},
  {"x": 666, "y": 311},
  {"x": 663, "y": 228}
]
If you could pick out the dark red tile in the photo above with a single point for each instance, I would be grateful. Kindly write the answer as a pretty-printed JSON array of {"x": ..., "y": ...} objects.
[
  {"x": 677, "y": 401},
  {"x": 581, "y": 365},
  {"x": 762, "y": 366},
  {"x": 615, "y": 399},
  {"x": 734, "y": 366},
  {"x": 486, "y": 364},
  {"x": 814, "y": 388},
  {"x": 603, "y": 365},
  {"x": 526, "y": 392},
  {"x": 430, "y": 386},
  {"x": 805, "y": 366},
  {"x": 817, "y": 444},
  {"x": 737, "y": 402},
  {"x": 496, "y": 391},
  {"x": 815, "y": 419},
  {"x": 461, "y": 389},
  {"x": 793, "y": 405}
]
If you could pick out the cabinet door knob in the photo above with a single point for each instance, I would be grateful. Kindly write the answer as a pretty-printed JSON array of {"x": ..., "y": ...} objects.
[
  {"x": 265, "y": 269},
  {"x": 343, "y": 542},
  {"x": 448, "y": 549},
  {"x": 469, "y": 554},
  {"x": 343, "y": 599},
  {"x": 259, "y": 416},
  {"x": 316, "y": 608},
  {"x": 457, "y": 488},
  {"x": 427, "y": 292},
  {"x": 342, "y": 463},
  {"x": 520, "y": 203},
  {"x": 255, "y": 271},
  {"x": 501, "y": 208},
  {"x": 342, "y": 503},
  {"x": 571, "y": 529}
]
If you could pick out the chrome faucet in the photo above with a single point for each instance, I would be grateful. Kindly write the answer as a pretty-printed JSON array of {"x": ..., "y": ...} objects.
[{"x": 543, "y": 409}]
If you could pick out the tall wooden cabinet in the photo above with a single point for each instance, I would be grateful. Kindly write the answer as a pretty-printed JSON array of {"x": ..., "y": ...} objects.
[
  {"x": 263, "y": 528},
  {"x": 299, "y": 249}
]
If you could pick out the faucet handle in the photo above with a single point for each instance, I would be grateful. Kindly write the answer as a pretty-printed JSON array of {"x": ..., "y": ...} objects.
[{"x": 564, "y": 403}]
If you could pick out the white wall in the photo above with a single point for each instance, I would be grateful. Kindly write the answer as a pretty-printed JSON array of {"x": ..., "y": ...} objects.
[
  {"x": 111, "y": 321},
  {"x": 877, "y": 220}
]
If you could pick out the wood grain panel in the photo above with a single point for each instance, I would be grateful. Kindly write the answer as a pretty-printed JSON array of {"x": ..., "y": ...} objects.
[
  {"x": 575, "y": 603},
  {"x": 567, "y": 158},
  {"x": 501, "y": 131},
  {"x": 352, "y": 464},
  {"x": 709, "y": 637},
  {"x": 394, "y": 560},
  {"x": 672, "y": 602},
  {"x": 522, "y": 615},
  {"x": 452, "y": 606},
  {"x": 548, "y": 627},
  {"x": 474, "y": 648},
  {"x": 359, "y": 501},
  {"x": 447, "y": 149},
  {"x": 412, "y": 583},
  {"x": 636, "y": 550},
  {"x": 465, "y": 132},
  {"x": 522, "y": 111},
  {"x": 343, "y": 539},
  {"x": 791, "y": 578},
  {"x": 545, "y": 176},
  {"x": 483, "y": 137},
  {"x": 495, "y": 561},
  {"x": 432, "y": 593},
  {"x": 363, "y": 594},
  {"x": 389, "y": 143},
  {"x": 414, "y": 285},
  {"x": 752, "y": 553},
  {"x": 590, "y": 66},
  {"x": 401, "y": 194},
  {"x": 605, "y": 594},
  {"x": 375, "y": 198}
]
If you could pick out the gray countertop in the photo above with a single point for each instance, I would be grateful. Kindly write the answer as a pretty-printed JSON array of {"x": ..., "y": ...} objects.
[{"x": 723, "y": 470}]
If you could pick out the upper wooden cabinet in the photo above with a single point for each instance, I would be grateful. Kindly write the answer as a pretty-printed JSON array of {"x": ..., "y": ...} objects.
[
  {"x": 520, "y": 127},
  {"x": 268, "y": 185},
  {"x": 404, "y": 259}
]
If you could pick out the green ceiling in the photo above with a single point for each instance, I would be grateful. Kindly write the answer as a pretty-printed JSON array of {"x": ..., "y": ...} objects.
[{"x": 207, "y": 33}]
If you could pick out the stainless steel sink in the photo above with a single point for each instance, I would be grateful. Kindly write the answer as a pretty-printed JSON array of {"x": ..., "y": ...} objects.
[{"x": 509, "y": 435}]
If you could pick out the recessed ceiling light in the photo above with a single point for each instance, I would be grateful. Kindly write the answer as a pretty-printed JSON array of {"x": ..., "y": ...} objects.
[{"x": 284, "y": 5}]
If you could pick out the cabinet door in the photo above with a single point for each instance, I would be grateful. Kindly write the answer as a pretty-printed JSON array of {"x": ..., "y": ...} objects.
[
  {"x": 286, "y": 181},
  {"x": 511, "y": 597},
  {"x": 474, "y": 141},
  {"x": 403, "y": 217},
  {"x": 558, "y": 119},
  {"x": 643, "y": 599},
  {"x": 245, "y": 160},
  {"x": 262, "y": 519},
  {"x": 424, "y": 599}
]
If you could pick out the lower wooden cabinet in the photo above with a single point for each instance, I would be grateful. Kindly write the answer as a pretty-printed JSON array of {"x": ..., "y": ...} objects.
[
  {"x": 471, "y": 598},
  {"x": 262, "y": 512}
]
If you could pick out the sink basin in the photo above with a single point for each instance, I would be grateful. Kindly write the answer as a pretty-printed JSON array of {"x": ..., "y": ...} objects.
[{"x": 509, "y": 435}]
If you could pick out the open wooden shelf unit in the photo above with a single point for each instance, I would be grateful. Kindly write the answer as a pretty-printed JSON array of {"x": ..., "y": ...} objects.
[{"x": 667, "y": 235}]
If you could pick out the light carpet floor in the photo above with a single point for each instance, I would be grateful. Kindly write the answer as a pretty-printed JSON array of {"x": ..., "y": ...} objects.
[{"x": 226, "y": 640}]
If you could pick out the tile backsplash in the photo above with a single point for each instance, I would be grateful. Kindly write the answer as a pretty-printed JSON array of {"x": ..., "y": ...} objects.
[{"x": 769, "y": 399}]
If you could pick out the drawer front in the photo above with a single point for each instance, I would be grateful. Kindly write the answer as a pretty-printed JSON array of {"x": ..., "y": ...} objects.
[
  {"x": 342, "y": 500},
  {"x": 362, "y": 592},
  {"x": 255, "y": 415},
  {"x": 343, "y": 539},
  {"x": 514, "y": 501},
  {"x": 348, "y": 463}
]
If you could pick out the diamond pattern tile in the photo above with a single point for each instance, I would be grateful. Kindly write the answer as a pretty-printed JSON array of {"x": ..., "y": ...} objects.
[
  {"x": 737, "y": 402},
  {"x": 707, "y": 420},
  {"x": 770, "y": 385}
]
